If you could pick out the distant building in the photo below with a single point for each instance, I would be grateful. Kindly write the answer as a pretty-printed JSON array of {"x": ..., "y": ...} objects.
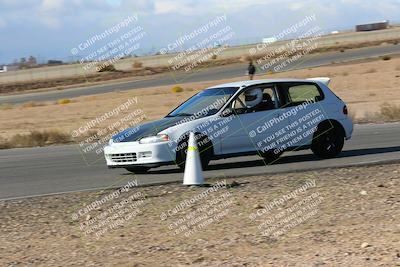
[
  {"x": 12, "y": 67},
  {"x": 269, "y": 40},
  {"x": 372, "y": 26},
  {"x": 54, "y": 62}
]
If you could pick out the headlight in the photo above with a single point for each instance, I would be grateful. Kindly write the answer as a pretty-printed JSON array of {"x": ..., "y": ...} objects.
[{"x": 154, "y": 139}]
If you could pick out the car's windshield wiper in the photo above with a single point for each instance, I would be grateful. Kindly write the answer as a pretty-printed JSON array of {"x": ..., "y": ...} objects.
[{"x": 180, "y": 115}]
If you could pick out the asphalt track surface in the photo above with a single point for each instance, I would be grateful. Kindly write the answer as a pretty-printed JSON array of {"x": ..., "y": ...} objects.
[
  {"x": 216, "y": 73},
  {"x": 29, "y": 172}
]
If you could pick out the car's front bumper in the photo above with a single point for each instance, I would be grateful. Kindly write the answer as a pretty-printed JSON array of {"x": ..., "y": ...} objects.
[{"x": 120, "y": 155}]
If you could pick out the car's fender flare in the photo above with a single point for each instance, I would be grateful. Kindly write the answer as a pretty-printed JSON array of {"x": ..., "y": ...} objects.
[{"x": 328, "y": 123}]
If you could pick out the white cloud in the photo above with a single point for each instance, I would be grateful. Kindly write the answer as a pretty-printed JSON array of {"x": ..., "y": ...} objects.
[
  {"x": 114, "y": 2},
  {"x": 171, "y": 6},
  {"x": 50, "y": 10},
  {"x": 52, "y": 5},
  {"x": 50, "y": 21},
  {"x": 295, "y": 6},
  {"x": 389, "y": 7},
  {"x": 193, "y": 7}
]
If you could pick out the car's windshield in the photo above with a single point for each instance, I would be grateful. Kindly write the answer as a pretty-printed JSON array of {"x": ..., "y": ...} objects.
[{"x": 205, "y": 103}]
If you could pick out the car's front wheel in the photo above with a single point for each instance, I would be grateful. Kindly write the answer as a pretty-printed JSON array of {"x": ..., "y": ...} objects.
[
  {"x": 205, "y": 148},
  {"x": 137, "y": 169},
  {"x": 328, "y": 141}
]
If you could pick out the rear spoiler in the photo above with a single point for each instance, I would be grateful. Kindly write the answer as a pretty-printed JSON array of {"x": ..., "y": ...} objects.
[{"x": 324, "y": 80}]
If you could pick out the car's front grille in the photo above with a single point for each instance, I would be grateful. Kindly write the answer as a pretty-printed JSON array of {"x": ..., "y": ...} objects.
[{"x": 124, "y": 157}]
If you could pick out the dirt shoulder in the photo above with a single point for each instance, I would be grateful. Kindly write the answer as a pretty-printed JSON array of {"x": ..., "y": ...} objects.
[
  {"x": 65, "y": 76},
  {"x": 333, "y": 217}
]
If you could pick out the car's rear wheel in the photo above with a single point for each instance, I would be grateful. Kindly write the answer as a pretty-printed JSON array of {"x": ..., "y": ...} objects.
[
  {"x": 205, "y": 147},
  {"x": 328, "y": 141},
  {"x": 270, "y": 156},
  {"x": 137, "y": 169}
]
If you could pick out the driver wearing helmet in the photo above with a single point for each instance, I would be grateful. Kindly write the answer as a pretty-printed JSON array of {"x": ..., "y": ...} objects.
[{"x": 253, "y": 98}]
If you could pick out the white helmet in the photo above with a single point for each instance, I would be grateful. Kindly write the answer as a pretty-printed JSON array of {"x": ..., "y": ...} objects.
[{"x": 253, "y": 97}]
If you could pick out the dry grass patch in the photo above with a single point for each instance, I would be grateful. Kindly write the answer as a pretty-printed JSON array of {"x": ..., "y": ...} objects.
[
  {"x": 390, "y": 112},
  {"x": 176, "y": 89},
  {"x": 45, "y": 138},
  {"x": 64, "y": 101},
  {"x": 38, "y": 138},
  {"x": 32, "y": 104},
  {"x": 105, "y": 67},
  {"x": 387, "y": 113},
  {"x": 137, "y": 65},
  {"x": 270, "y": 72},
  {"x": 246, "y": 58},
  {"x": 4, "y": 144},
  {"x": 5, "y": 106}
]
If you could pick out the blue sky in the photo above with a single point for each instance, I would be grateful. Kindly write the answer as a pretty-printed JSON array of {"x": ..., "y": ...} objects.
[{"x": 49, "y": 29}]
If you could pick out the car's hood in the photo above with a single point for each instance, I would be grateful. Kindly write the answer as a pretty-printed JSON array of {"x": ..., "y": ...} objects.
[{"x": 146, "y": 129}]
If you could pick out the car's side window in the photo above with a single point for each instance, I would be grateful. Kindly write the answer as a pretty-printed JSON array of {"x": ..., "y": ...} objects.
[
  {"x": 256, "y": 99},
  {"x": 297, "y": 94}
]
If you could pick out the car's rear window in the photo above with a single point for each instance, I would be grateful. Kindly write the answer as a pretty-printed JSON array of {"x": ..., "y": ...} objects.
[{"x": 303, "y": 92}]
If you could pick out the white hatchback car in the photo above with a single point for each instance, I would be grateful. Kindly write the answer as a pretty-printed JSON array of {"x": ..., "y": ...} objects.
[{"x": 257, "y": 117}]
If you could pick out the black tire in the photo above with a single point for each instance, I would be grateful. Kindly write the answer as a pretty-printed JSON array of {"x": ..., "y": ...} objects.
[
  {"x": 137, "y": 169},
  {"x": 205, "y": 149},
  {"x": 270, "y": 156},
  {"x": 328, "y": 141}
]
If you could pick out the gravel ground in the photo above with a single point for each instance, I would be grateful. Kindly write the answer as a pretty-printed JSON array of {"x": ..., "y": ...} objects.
[{"x": 334, "y": 217}]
